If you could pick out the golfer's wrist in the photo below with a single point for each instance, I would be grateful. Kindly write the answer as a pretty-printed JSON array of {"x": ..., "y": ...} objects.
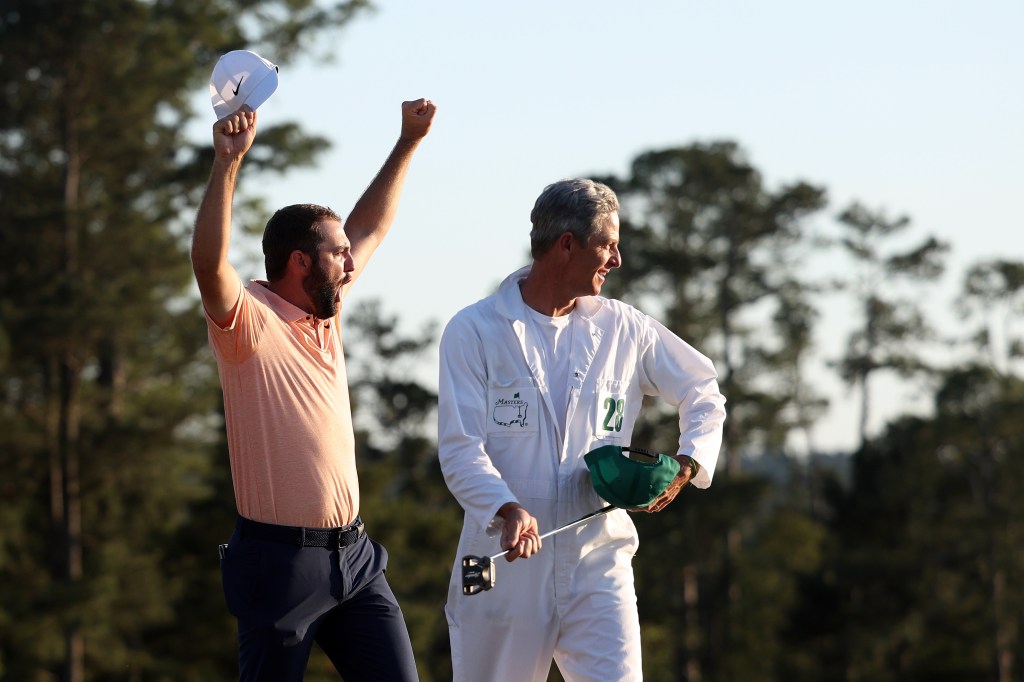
[{"x": 227, "y": 165}]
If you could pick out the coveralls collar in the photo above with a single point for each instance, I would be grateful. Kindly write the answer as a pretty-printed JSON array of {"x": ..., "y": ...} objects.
[{"x": 510, "y": 300}]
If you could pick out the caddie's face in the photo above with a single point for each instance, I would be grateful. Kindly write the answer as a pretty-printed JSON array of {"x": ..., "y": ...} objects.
[
  {"x": 591, "y": 264},
  {"x": 332, "y": 269}
]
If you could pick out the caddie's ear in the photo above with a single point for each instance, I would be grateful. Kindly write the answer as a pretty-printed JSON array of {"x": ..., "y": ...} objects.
[{"x": 567, "y": 242}]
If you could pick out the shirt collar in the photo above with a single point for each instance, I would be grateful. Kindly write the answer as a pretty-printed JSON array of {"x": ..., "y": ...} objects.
[{"x": 261, "y": 290}]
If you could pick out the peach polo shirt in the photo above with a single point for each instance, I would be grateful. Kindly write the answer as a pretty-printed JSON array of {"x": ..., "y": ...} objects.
[{"x": 287, "y": 412}]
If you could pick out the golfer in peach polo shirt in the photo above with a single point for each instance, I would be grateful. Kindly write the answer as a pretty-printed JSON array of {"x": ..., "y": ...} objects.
[{"x": 299, "y": 567}]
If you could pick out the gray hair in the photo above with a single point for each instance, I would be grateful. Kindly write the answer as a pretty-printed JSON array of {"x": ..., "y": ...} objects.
[{"x": 576, "y": 206}]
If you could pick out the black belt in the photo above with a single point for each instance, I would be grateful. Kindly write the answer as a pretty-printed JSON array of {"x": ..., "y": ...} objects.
[{"x": 329, "y": 538}]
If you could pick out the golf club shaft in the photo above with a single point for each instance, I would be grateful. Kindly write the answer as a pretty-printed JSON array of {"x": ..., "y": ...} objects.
[{"x": 571, "y": 524}]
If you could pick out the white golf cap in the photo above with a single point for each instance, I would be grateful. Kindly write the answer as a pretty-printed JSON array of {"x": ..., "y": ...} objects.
[{"x": 241, "y": 77}]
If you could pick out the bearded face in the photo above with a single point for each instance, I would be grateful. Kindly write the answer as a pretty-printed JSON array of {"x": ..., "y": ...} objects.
[
  {"x": 323, "y": 289},
  {"x": 331, "y": 269}
]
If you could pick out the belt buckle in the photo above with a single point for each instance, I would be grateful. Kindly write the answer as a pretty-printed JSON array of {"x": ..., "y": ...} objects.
[{"x": 341, "y": 535}]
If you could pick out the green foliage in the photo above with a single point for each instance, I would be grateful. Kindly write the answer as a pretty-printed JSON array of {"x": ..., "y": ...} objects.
[
  {"x": 891, "y": 328},
  {"x": 930, "y": 533},
  {"x": 993, "y": 299},
  {"x": 710, "y": 251},
  {"x": 108, "y": 397}
]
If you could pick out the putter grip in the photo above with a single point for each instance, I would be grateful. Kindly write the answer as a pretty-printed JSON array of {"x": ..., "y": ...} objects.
[{"x": 571, "y": 524}]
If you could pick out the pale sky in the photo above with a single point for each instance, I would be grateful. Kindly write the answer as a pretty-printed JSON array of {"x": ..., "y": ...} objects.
[{"x": 912, "y": 108}]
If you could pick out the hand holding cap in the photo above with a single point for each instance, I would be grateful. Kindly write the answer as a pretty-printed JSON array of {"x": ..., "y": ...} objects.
[
  {"x": 239, "y": 78},
  {"x": 630, "y": 482}
]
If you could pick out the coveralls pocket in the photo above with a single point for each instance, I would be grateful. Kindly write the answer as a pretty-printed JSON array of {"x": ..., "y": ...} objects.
[{"x": 513, "y": 409}]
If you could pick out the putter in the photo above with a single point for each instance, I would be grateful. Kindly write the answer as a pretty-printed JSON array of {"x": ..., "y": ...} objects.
[{"x": 478, "y": 573}]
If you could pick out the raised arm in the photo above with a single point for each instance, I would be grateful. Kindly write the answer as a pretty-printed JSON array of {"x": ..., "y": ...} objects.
[
  {"x": 219, "y": 284},
  {"x": 373, "y": 214}
]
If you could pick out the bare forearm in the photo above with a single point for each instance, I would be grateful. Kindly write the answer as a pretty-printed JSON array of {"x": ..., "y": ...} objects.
[
  {"x": 232, "y": 137},
  {"x": 213, "y": 220},
  {"x": 218, "y": 282},
  {"x": 373, "y": 214}
]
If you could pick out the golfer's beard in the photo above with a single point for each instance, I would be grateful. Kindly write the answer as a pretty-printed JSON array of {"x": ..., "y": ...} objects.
[{"x": 322, "y": 292}]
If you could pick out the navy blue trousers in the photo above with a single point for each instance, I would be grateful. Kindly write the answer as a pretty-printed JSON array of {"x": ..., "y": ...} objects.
[{"x": 286, "y": 597}]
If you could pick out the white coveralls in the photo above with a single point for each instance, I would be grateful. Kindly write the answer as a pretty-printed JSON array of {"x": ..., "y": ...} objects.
[{"x": 574, "y": 600}]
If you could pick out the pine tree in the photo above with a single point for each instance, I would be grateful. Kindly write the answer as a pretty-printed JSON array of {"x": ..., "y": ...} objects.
[
  {"x": 891, "y": 327},
  {"x": 710, "y": 251},
  {"x": 105, "y": 371}
]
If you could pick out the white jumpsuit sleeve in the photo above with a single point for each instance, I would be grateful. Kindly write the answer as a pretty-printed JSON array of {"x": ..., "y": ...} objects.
[
  {"x": 462, "y": 408},
  {"x": 686, "y": 379}
]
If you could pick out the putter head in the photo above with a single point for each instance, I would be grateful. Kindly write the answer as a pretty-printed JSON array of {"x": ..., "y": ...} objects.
[{"x": 477, "y": 574}]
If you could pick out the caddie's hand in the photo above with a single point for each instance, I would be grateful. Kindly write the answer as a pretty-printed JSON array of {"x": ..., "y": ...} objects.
[
  {"x": 677, "y": 484},
  {"x": 519, "y": 534},
  {"x": 233, "y": 134},
  {"x": 416, "y": 118}
]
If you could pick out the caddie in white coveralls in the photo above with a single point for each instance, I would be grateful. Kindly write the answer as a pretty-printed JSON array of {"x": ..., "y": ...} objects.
[{"x": 531, "y": 379}]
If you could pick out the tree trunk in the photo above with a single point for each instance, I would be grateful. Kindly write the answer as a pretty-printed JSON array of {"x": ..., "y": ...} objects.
[
  {"x": 69, "y": 378},
  {"x": 70, "y": 422},
  {"x": 691, "y": 626},
  {"x": 864, "y": 406},
  {"x": 55, "y": 463},
  {"x": 1003, "y": 639}
]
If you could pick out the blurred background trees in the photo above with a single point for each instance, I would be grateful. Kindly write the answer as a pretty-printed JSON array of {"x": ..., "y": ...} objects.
[
  {"x": 898, "y": 561},
  {"x": 109, "y": 400}
]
